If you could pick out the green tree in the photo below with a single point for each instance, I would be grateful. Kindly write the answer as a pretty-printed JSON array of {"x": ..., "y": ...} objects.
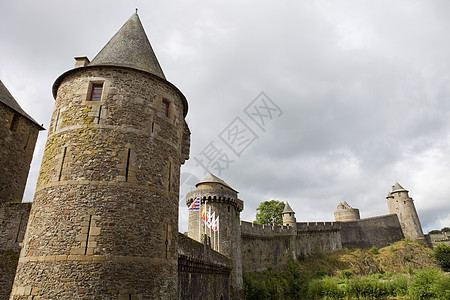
[
  {"x": 442, "y": 255},
  {"x": 269, "y": 212},
  {"x": 445, "y": 229}
]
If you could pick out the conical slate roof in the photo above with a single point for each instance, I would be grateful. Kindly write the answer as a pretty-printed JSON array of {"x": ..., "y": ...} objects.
[
  {"x": 130, "y": 47},
  {"x": 398, "y": 188},
  {"x": 210, "y": 178},
  {"x": 287, "y": 208},
  {"x": 7, "y": 99}
]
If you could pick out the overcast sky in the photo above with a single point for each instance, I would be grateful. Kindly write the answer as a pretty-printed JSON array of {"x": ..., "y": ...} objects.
[{"x": 356, "y": 93}]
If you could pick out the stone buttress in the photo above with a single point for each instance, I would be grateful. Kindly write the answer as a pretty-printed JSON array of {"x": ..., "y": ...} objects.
[
  {"x": 224, "y": 203},
  {"x": 104, "y": 222}
]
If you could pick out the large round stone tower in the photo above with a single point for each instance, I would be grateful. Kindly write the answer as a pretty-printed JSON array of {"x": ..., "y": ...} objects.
[
  {"x": 224, "y": 203},
  {"x": 401, "y": 204},
  {"x": 104, "y": 221},
  {"x": 346, "y": 213}
]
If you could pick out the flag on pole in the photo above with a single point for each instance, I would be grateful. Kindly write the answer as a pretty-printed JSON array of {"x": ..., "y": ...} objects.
[
  {"x": 215, "y": 225},
  {"x": 211, "y": 219},
  {"x": 195, "y": 205},
  {"x": 203, "y": 213}
]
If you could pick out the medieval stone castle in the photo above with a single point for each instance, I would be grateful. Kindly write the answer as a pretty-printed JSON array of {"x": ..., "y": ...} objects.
[{"x": 103, "y": 224}]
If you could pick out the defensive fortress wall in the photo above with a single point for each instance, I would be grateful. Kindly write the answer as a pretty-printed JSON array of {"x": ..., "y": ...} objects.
[
  {"x": 377, "y": 231},
  {"x": 274, "y": 246},
  {"x": 202, "y": 272}
]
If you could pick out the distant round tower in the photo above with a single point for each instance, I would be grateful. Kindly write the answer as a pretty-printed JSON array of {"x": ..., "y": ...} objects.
[
  {"x": 104, "y": 221},
  {"x": 346, "y": 213},
  {"x": 289, "y": 217},
  {"x": 401, "y": 204},
  {"x": 223, "y": 201}
]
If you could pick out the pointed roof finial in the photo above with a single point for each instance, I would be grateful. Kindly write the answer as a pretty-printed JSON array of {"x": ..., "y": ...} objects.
[
  {"x": 130, "y": 47},
  {"x": 136, "y": 10},
  {"x": 287, "y": 208}
]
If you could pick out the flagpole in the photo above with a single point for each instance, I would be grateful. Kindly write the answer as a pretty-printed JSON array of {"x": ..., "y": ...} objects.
[
  {"x": 218, "y": 236},
  {"x": 206, "y": 213},
  {"x": 200, "y": 221}
]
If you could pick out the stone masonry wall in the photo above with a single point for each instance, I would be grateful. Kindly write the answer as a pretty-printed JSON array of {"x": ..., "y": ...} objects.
[
  {"x": 377, "y": 231},
  {"x": 274, "y": 246},
  {"x": 13, "y": 222},
  {"x": 18, "y": 136},
  {"x": 202, "y": 272},
  {"x": 105, "y": 214}
]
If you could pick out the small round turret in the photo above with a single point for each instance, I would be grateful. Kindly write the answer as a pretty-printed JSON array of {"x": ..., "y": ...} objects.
[{"x": 289, "y": 216}]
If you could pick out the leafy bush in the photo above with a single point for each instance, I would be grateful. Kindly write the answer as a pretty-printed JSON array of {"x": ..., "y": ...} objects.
[
  {"x": 255, "y": 289},
  {"x": 321, "y": 273},
  {"x": 400, "y": 286},
  {"x": 442, "y": 255},
  {"x": 287, "y": 284},
  {"x": 407, "y": 257},
  {"x": 331, "y": 289},
  {"x": 374, "y": 250},
  {"x": 442, "y": 287},
  {"x": 346, "y": 274},
  {"x": 421, "y": 286}
]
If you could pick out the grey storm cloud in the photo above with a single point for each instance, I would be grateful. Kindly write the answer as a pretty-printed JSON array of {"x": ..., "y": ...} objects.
[{"x": 363, "y": 86}]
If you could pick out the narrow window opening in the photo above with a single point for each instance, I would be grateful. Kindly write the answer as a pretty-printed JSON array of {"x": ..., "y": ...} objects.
[
  {"x": 129, "y": 296},
  {"x": 170, "y": 174},
  {"x": 165, "y": 108},
  {"x": 96, "y": 93},
  {"x": 18, "y": 229},
  {"x": 62, "y": 163},
  {"x": 99, "y": 114},
  {"x": 14, "y": 123},
  {"x": 27, "y": 142},
  {"x": 56, "y": 121},
  {"x": 87, "y": 235},
  {"x": 166, "y": 242},
  {"x": 228, "y": 208},
  {"x": 153, "y": 127},
  {"x": 128, "y": 165}
]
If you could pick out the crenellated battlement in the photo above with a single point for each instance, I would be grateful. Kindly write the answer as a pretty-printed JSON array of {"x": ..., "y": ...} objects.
[
  {"x": 216, "y": 196},
  {"x": 253, "y": 229},
  {"x": 318, "y": 226}
]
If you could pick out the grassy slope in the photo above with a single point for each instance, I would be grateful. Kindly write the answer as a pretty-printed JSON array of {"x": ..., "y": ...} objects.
[{"x": 400, "y": 257}]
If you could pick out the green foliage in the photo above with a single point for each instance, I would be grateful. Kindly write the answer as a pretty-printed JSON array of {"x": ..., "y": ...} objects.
[
  {"x": 270, "y": 212},
  {"x": 254, "y": 289},
  {"x": 374, "y": 250},
  {"x": 442, "y": 287},
  {"x": 287, "y": 284},
  {"x": 407, "y": 257},
  {"x": 346, "y": 274},
  {"x": 435, "y": 232},
  {"x": 442, "y": 255},
  {"x": 321, "y": 273},
  {"x": 421, "y": 286},
  {"x": 445, "y": 229}
]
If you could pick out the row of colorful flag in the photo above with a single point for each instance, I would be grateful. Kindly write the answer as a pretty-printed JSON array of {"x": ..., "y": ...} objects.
[{"x": 210, "y": 219}]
